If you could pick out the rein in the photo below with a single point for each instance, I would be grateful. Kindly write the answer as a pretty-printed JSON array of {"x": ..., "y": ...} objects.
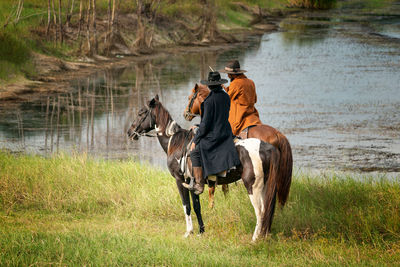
[
  {"x": 148, "y": 112},
  {"x": 169, "y": 130}
]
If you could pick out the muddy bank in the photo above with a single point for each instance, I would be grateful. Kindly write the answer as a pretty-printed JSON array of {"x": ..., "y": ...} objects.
[
  {"x": 170, "y": 36},
  {"x": 53, "y": 74}
]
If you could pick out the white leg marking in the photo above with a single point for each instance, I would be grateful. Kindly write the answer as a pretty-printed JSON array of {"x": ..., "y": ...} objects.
[
  {"x": 252, "y": 146},
  {"x": 257, "y": 210},
  {"x": 189, "y": 223}
]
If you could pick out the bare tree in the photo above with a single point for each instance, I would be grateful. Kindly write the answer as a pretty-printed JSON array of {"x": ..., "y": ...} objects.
[
  {"x": 60, "y": 25},
  {"x": 16, "y": 11},
  {"x": 146, "y": 11},
  {"x": 80, "y": 17},
  {"x": 55, "y": 20},
  {"x": 48, "y": 17},
  {"x": 208, "y": 29},
  {"x": 95, "y": 44},
  {"x": 70, "y": 7},
  {"x": 208, "y": 26},
  {"x": 88, "y": 27},
  {"x": 19, "y": 10}
]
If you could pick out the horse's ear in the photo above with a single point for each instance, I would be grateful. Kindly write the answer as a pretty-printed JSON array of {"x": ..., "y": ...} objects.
[
  {"x": 152, "y": 103},
  {"x": 196, "y": 87},
  {"x": 156, "y": 97}
]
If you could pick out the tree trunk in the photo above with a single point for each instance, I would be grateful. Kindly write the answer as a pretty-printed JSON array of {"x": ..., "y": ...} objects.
[
  {"x": 69, "y": 14},
  {"x": 153, "y": 19},
  {"x": 144, "y": 38},
  {"x": 107, "y": 35},
  {"x": 208, "y": 31},
  {"x": 60, "y": 25},
  {"x": 88, "y": 27},
  {"x": 80, "y": 17},
  {"x": 55, "y": 21},
  {"x": 19, "y": 11},
  {"x": 95, "y": 44},
  {"x": 48, "y": 18}
]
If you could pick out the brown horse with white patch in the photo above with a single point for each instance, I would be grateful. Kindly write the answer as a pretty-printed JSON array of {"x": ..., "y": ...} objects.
[
  {"x": 258, "y": 169},
  {"x": 263, "y": 132}
]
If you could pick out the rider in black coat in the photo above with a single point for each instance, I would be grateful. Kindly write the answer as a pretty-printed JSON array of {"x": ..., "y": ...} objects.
[{"x": 213, "y": 150}]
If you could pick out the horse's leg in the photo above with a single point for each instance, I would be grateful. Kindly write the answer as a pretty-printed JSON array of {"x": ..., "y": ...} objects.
[
  {"x": 184, "y": 193},
  {"x": 254, "y": 188},
  {"x": 225, "y": 189},
  {"x": 211, "y": 192},
  {"x": 253, "y": 179},
  {"x": 197, "y": 210},
  {"x": 256, "y": 201}
]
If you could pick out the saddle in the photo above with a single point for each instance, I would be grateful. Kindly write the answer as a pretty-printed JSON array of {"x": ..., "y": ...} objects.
[
  {"x": 185, "y": 163},
  {"x": 245, "y": 133}
]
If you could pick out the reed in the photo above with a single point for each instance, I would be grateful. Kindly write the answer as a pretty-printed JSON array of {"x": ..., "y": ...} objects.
[{"x": 76, "y": 210}]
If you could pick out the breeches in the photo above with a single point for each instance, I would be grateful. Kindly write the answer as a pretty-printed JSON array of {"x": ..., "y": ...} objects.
[{"x": 195, "y": 157}]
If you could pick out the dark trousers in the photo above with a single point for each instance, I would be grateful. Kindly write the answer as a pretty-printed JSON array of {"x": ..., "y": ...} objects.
[{"x": 195, "y": 157}]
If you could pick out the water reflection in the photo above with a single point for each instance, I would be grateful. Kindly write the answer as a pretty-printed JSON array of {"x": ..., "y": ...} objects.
[
  {"x": 304, "y": 32},
  {"x": 329, "y": 89},
  {"x": 94, "y": 116}
]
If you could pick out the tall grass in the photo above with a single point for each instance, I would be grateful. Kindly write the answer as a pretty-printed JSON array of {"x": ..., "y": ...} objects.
[
  {"x": 74, "y": 210},
  {"x": 14, "y": 56}
]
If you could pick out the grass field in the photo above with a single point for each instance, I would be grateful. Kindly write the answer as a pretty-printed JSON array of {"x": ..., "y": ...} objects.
[{"x": 74, "y": 210}]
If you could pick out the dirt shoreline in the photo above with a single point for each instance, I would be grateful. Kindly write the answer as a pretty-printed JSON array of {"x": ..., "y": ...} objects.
[{"x": 53, "y": 74}]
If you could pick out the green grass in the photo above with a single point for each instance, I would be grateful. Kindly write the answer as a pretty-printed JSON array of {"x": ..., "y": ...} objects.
[{"x": 74, "y": 210}]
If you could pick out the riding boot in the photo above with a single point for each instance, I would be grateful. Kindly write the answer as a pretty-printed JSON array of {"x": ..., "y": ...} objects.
[{"x": 198, "y": 175}]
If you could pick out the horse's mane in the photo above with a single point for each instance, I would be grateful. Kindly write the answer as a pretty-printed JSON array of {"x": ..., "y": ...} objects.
[
  {"x": 179, "y": 137},
  {"x": 204, "y": 91},
  {"x": 162, "y": 117}
]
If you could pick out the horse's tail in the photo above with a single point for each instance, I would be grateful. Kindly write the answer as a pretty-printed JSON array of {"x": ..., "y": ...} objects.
[
  {"x": 270, "y": 193},
  {"x": 285, "y": 168}
]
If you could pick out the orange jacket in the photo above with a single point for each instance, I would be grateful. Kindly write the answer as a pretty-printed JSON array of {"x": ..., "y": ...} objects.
[{"x": 242, "y": 113}]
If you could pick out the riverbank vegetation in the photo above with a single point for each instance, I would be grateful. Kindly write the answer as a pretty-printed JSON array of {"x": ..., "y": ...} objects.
[
  {"x": 74, "y": 210},
  {"x": 87, "y": 30},
  {"x": 39, "y": 39},
  {"x": 312, "y": 4}
]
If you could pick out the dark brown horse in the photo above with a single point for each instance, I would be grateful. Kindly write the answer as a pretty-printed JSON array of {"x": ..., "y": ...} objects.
[
  {"x": 263, "y": 132},
  {"x": 258, "y": 169}
]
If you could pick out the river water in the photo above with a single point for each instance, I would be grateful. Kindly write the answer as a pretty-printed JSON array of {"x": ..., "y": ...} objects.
[{"x": 328, "y": 80}]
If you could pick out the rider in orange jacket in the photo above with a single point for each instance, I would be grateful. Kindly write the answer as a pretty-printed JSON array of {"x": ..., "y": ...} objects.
[{"x": 242, "y": 93}]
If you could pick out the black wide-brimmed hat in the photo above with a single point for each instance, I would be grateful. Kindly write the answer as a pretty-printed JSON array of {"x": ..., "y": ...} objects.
[
  {"x": 214, "y": 78},
  {"x": 233, "y": 67}
]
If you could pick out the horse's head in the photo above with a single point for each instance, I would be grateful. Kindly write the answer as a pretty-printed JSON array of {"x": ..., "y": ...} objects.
[
  {"x": 145, "y": 120},
  {"x": 199, "y": 93}
]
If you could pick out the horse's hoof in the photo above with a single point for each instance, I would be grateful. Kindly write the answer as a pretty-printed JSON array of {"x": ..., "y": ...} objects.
[{"x": 187, "y": 234}]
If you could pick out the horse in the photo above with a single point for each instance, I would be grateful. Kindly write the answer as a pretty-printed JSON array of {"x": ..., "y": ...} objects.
[
  {"x": 258, "y": 169},
  {"x": 263, "y": 132}
]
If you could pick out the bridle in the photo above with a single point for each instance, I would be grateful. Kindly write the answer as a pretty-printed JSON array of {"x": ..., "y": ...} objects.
[
  {"x": 148, "y": 112},
  {"x": 190, "y": 106}
]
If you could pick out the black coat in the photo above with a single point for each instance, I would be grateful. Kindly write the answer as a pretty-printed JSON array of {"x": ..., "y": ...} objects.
[{"x": 214, "y": 136}]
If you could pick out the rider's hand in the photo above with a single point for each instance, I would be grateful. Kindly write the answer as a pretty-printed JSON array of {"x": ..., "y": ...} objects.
[{"x": 192, "y": 146}]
